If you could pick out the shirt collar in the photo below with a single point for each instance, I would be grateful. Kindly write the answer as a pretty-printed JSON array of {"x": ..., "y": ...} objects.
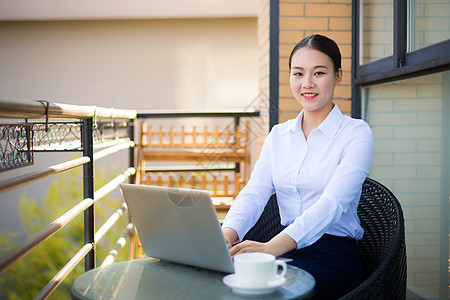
[{"x": 329, "y": 126}]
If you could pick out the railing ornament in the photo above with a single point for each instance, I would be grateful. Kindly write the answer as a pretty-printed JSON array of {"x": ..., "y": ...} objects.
[{"x": 46, "y": 104}]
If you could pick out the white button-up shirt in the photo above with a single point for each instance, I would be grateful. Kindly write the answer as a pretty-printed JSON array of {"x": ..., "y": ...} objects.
[{"x": 317, "y": 181}]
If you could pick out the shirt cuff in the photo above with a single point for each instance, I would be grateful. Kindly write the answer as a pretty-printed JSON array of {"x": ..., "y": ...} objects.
[{"x": 235, "y": 226}]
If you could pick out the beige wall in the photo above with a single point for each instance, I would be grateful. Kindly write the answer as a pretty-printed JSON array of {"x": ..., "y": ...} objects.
[
  {"x": 119, "y": 9},
  {"x": 263, "y": 68},
  {"x": 135, "y": 64}
]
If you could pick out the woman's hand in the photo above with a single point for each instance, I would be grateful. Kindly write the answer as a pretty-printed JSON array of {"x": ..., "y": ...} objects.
[
  {"x": 230, "y": 236},
  {"x": 229, "y": 243},
  {"x": 249, "y": 246},
  {"x": 277, "y": 246}
]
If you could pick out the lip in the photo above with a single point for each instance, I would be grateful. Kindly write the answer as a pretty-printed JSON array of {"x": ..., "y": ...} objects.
[{"x": 309, "y": 96}]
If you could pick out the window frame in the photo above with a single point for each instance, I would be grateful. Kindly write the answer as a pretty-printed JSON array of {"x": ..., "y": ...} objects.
[{"x": 399, "y": 66}]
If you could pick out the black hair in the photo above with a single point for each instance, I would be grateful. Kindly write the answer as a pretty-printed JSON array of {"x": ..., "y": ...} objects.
[{"x": 323, "y": 44}]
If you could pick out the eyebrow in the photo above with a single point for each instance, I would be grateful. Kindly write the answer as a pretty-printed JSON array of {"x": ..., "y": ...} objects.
[{"x": 315, "y": 67}]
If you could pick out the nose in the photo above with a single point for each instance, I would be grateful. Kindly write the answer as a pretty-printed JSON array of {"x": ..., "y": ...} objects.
[{"x": 308, "y": 82}]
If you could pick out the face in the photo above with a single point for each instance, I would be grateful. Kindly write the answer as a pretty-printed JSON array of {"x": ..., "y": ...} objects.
[{"x": 313, "y": 80}]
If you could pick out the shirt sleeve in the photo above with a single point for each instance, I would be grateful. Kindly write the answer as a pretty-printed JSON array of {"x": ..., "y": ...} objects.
[
  {"x": 340, "y": 194},
  {"x": 249, "y": 204}
]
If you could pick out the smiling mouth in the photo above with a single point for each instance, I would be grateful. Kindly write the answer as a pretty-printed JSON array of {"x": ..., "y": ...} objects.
[{"x": 309, "y": 96}]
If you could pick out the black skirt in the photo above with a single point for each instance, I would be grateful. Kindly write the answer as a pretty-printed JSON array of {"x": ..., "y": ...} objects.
[{"x": 334, "y": 262}]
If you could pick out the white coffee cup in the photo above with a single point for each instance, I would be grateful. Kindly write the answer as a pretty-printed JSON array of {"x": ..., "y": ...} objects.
[{"x": 257, "y": 269}]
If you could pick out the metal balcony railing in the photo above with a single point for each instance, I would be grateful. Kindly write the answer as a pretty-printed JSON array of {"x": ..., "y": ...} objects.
[
  {"x": 28, "y": 127},
  {"x": 65, "y": 128}
]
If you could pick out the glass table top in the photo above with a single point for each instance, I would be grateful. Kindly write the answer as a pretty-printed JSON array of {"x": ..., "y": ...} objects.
[{"x": 149, "y": 278}]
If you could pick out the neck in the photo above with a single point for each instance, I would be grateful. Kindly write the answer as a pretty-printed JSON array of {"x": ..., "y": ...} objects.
[{"x": 312, "y": 119}]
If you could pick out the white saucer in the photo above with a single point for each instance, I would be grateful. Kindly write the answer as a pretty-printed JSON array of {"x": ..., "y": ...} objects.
[{"x": 238, "y": 288}]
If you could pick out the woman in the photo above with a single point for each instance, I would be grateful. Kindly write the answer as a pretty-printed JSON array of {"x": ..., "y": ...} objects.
[{"x": 316, "y": 164}]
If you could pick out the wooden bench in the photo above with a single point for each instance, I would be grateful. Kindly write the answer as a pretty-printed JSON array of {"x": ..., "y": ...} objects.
[
  {"x": 219, "y": 185},
  {"x": 204, "y": 150},
  {"x": 217, "y": 160}
]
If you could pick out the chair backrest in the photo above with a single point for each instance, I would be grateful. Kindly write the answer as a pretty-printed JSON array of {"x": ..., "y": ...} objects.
[
  {"x": 382, "y": 249},
  {"x": 268, "y": 224}
]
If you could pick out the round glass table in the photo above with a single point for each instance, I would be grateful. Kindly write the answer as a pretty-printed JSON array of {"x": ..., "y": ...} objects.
[{"x": 149, "y": 278}]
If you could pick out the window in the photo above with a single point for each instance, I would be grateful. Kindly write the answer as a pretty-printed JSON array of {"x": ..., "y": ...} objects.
[
  {"x": 428, "y": 23},
  {"x": 428, "y": 38},
  {"x": 401, "y": 87},
  {"x": 377, "y": 34}
]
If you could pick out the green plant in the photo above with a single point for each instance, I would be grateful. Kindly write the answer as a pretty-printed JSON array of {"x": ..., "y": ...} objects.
[{"x": 28, "y": 276}]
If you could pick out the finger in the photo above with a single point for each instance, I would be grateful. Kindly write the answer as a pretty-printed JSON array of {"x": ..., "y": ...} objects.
[
  {"x": 244, "y": 250},
  {"x": 236, "y": 248},
  {"x": 246, "y": 246}
]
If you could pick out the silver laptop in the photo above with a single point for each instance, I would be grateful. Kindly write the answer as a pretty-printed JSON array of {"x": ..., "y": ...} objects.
[{"x": 178, "y": 225}]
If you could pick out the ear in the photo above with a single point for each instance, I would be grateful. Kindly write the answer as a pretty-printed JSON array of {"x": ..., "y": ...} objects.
[{"x": 338, "y": 77}]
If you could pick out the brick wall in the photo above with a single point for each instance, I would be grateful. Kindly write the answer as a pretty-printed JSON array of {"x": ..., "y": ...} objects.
[
  {"x": 406, "y": 121},
  {"x": 300, "y": 18}
]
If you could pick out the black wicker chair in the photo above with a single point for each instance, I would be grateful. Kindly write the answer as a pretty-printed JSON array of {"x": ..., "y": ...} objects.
[{"x": 383, "y": 249}]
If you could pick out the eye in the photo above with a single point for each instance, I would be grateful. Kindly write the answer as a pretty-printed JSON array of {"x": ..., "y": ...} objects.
[
  {"x": 319, "y": 73},
  {"x": 297, "y": 74}
]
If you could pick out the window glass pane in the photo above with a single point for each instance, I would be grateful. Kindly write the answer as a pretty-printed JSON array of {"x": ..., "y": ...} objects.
[
  {"x": 429, "y": 23},
  {"x": 410, "y": 121},
  {"x": 376, "y": 30}
]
